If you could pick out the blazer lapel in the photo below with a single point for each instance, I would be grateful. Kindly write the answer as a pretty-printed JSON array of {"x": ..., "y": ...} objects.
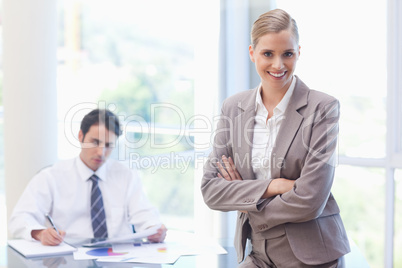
[
  {"x": 289, "y": 127},
  {"x": 243, "y": 135}
]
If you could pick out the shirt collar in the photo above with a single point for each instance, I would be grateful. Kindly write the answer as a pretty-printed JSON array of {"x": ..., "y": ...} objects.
[
  {"x": 258, "y": 99},
  {"x": 85, "y": 172},
  {"x": 282, "y": 105}
]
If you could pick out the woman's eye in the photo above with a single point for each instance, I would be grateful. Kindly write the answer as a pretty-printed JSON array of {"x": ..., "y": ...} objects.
[
  {"x": 288, "y": 54},
  {"x": 267, "y": 54}
]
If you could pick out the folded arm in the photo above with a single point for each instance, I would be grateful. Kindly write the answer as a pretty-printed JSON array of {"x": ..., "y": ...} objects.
[
  {"x": 228, "y": 171},
  {"x": 228, "y": 191},
  {"x": 309, "y": 196}
]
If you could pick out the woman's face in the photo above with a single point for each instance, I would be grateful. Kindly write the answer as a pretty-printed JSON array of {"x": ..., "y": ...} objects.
[{"x": 275, "y": 57}]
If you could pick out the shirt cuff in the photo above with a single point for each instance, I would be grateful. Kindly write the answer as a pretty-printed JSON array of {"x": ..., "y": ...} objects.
[{"x": 28, "y": 230}]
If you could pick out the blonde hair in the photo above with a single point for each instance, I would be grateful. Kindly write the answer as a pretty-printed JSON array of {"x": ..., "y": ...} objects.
[{"x": 273, "y": 21}]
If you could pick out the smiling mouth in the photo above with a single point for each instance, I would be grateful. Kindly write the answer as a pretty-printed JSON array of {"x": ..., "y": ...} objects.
[{"x": 278, "y": 75}]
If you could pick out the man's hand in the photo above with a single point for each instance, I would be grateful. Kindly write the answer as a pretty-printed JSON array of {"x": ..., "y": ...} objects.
[
  {"x": 48, "y": 237},
  {"x": 228, "y": 171},
  {"x": 159, "y": 236}
]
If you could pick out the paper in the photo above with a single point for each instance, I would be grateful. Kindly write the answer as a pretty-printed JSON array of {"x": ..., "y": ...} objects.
[
  {"x": 185, "y": 249},
  {"x": 125, "y": 238},
  {"x": 36, "y": 249},
  {"x": 182, "y": 248},
  {"x": 156, "y": 259},
  {"x": 133, "y": 252},
  {"x": 152, "y": 253},
  {"x": 81, "y": 254}
]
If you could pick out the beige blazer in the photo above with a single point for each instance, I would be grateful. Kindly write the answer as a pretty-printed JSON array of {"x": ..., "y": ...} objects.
[{"x": 304, "y": 151}]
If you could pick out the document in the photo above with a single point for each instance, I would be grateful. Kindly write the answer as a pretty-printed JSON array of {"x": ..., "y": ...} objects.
[
  {"x": 36, "y": 249},
  {"x": 152, "y": 253},
  {"x": 126, "y": 238}
]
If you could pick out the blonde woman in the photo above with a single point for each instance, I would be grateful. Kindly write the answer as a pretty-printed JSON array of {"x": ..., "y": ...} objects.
[{"x": 273, "y": 159}]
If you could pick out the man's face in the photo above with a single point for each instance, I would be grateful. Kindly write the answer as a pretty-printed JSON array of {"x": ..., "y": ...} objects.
[{"x": 96, "y": 146}]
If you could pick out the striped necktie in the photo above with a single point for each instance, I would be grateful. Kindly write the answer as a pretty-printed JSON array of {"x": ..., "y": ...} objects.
[{"x": 97, "y": 210}]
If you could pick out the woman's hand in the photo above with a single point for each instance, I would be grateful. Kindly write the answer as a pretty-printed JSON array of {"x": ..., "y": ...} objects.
[
  {"x": 228, "y": 171},
  {"x": 278, "y": 186}
]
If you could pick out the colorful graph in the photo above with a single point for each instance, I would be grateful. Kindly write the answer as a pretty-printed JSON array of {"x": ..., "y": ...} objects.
[
  {"x": 162, "y": 250},
  {"x": 102, "y": 252}
]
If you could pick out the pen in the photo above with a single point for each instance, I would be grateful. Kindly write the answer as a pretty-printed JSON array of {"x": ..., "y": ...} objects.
[{"x": 51, "y": 222}]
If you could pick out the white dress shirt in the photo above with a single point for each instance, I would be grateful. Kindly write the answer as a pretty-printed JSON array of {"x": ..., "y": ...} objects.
[
  {"x": 266, "y": 131},
  {"x": 64, "y": 191}
]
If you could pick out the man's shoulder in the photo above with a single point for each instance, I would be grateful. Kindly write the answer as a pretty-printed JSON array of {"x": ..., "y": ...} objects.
[
  {"x": 56, "y": 170},
  {"x": 117, "y": 166},
  {"x": 121, "y": 171},
  {"x": 59, "y": 166}
]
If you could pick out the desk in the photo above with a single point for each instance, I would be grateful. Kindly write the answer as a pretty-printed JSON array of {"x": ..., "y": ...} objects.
[{"x": 14, "y": 260}]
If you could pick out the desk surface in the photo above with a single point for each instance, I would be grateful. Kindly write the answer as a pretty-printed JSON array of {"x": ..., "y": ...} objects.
[
  {"x": 10, "y": 258},
  {"x": 14, "y": 259}
]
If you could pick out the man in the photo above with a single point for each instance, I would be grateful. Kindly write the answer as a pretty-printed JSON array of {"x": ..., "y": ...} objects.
[{"x": 88, "y": 196}]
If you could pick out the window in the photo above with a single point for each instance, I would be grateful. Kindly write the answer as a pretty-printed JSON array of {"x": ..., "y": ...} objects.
[
  {"x": 139, "y": 60},
  {"x": 364, "y": 220}
]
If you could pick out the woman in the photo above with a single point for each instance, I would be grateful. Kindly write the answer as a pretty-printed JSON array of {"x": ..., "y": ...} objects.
[{"x": 273, "y": 159}]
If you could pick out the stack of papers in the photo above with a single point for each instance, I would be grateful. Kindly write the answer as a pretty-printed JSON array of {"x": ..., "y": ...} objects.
[
  {"x": 130, "y": 252},
  {"x": 119, "y": 250},
  {"x": 36, "y": 249},
  {"x": 153, "y": 253}
]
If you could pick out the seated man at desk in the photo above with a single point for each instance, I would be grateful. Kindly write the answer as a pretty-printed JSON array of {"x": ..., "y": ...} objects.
[{"x": 89, "y": 196}]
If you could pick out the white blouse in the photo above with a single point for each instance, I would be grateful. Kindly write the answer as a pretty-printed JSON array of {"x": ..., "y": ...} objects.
[{"x": 266, "y": 131}]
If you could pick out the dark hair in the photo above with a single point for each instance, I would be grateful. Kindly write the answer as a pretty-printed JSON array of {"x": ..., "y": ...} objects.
[{"x": 101, "y": 116}]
